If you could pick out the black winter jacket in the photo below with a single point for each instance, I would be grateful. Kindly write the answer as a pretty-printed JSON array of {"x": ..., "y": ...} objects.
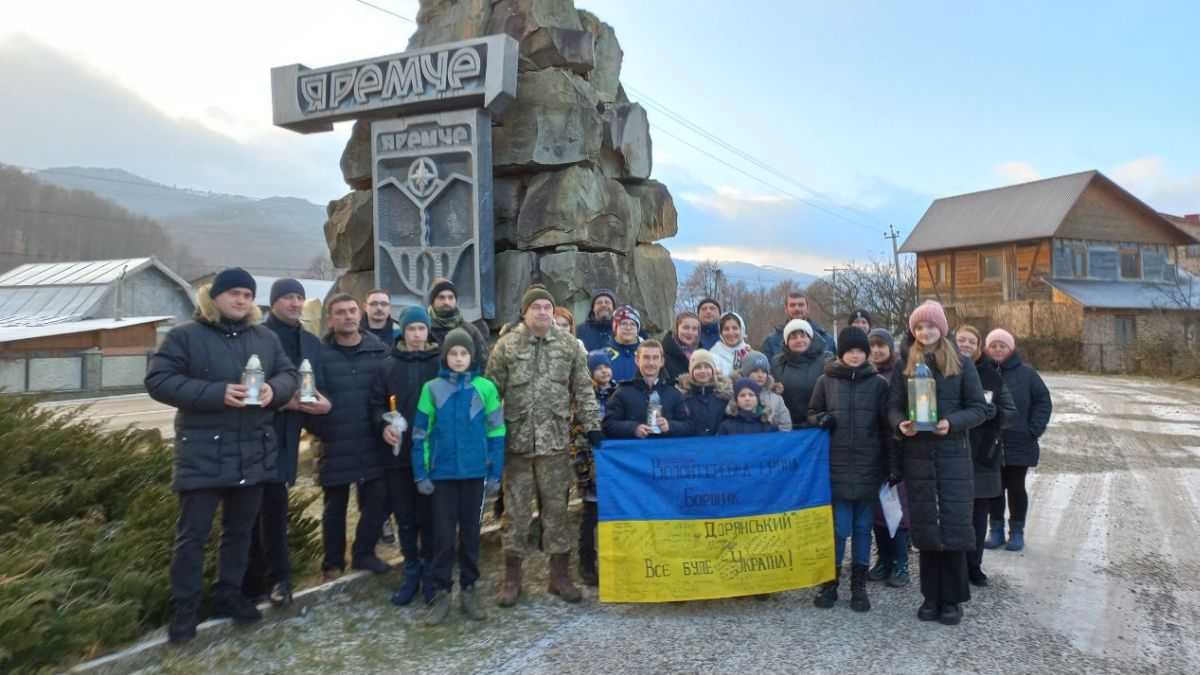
[
  {"x": 387, "y": 335},
  {"x": 1032, "y": 398},
  {"x": 350, "y": 450},
  {"x": 798, "y": 374},
  {"x": 745, "y": 423},
  {"x": 676, "y": 365},
  {"x": 705, "y": 406},
  {"x": 218, "y": 446},
  {"x": 860, "y": 454},
  {"x": 986, "y": 447},
  {"x": 438, "y": 334},
  {"x": 299, "y": 345},
  {"x": 938, "y": 470},
  {"x": 628, "y": 405},
  {"x": 402, "y": 375}
]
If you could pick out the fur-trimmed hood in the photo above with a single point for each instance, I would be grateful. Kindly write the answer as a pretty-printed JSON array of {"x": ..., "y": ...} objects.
[
  {"x": 722, "y": 386},
  {"x": 207, "y": 310},
  {"x": 732, "y": 410}
]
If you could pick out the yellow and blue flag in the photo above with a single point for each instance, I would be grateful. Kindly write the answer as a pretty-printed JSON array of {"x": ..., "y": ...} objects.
[{"x": 713, "y": 517}]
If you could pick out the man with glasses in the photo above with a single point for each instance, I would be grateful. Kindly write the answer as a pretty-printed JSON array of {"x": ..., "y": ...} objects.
[{"x": 377, "y": 317}]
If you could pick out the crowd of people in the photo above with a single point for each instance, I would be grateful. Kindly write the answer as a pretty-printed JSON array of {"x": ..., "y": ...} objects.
[{"x": 412, "y": 410}]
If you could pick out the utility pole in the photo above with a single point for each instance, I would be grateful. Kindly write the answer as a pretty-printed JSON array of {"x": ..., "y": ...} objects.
[
  {"x": 894, "y": 235},
  {"x": 833, "y": 285}
]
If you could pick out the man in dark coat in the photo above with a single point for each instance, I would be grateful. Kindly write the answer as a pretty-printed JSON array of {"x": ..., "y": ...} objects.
[
  {"x": 626, "y": 414},
  {"x": 797, "y": 368},
  {"x": 597, "y": 330},
  {"x": 377, "y": 316},
  {"x": 709, "y": 311},
  {"x": 414, "y": 361},
  {"x": 269, "y": 571},
  {"x": 445, "y": 316},
  {"x": 225, "y": 448},
  {"x": 350, "y": 450},
  {"x": 796, "y": 306}
]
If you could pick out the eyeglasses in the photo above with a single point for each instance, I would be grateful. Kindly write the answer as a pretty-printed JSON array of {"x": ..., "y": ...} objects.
[{"x": 378, "y": 303}]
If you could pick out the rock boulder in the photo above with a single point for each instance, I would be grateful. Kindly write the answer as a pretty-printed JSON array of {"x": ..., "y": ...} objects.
[
  {"x": 580, "y": 207},
  {"x": 660, "y": 220},
  {"x": 350, "y": 232},
  {"x": 553, "y": 123}
]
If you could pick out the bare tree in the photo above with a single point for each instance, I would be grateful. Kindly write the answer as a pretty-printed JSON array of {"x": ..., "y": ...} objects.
[
  {"x": 321, "y": 267},
  {"x": 707, "y": 280},
  {"x": 873, "y": 286}
]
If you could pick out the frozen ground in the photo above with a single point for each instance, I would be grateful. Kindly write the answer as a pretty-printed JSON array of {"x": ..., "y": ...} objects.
[{"x": 1108, "y": 583}]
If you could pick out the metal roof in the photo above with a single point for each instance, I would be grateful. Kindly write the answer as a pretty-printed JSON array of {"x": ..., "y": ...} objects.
[
  {"x": 1013, "y": 213},
  {"x": 1094, "y": 294},
  {"x": 72, "y": 273},
  {"x": 16, "y": 333},
  {"x": 313, "y": 288},
  {"x": 40, "y": 306}
]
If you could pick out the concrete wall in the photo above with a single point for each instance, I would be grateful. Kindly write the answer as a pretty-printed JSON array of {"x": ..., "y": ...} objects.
[{"x": 87, "y": 373}]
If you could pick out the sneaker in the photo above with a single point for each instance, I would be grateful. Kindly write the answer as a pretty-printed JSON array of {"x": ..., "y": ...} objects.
[
  {"x": 439, "y": 609},
  {"x": 371, "y": 563},
  {"x": 899, "y": 578},
  {"x": 470, "y": 604},
  {"x": 236, "y": 607},
  {"x": 389, "y": 535},
  {"x": 879, "y": 572},
  {"x": 281, "y": 594}
]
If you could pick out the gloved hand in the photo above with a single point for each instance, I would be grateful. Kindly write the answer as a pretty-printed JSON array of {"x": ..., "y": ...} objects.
[
  {"x": 894, "y": 479},
  {"x": 991, "y": 411},
  {"x": 594, "y": 438},
  {"x": 425, "y": 486},
  {"x": 583, "y": 472},
  {"x": 827, "y": 421},
  {"x": 491, "y": 487}
]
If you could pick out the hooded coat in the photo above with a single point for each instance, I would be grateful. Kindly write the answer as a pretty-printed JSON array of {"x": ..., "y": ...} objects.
[
  {"x": 860, "y": 456},
  {"x": 938, "y": 470},
  {"x": 350, "y": 448},
  {"x": 736, "y": 422},
  {"x": 798, "y": 373},
  {"x": 730, "y": 358},
  {"x": 1034, "y": 406},
  {"x": 402, "y": 375},
  {"x": 215, "y": 445},
  {"x": 987, "y": 448},
  {"x": 705, "y": 405}
]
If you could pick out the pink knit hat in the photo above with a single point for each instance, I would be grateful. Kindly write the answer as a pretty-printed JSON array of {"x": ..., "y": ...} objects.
[
  {"x": 1002, "y": 336},
  {"x": 932, "y": 312}
]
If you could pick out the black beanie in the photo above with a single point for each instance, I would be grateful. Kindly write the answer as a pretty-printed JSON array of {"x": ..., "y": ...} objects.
[
  {"x": 285, "y": 286},
  {"x": 458, "y": 338},
  {"x": 708, "y": 301},
  {"x": 852, "y": 337},
  {"x": 441, "y": 284},
  {"x": 859, "y": 314},
  {"x": 230, "y": 278}
]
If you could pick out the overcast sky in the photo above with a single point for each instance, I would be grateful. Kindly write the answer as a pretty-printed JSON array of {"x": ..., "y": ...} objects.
[{"x": 869, "y": 109}]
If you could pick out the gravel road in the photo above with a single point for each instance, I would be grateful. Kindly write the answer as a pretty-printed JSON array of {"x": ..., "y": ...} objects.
[{"x": 1107, "y": 584}]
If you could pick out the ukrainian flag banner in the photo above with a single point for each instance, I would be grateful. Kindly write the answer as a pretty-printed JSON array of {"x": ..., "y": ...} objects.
[{"x": 714, "y": 516}]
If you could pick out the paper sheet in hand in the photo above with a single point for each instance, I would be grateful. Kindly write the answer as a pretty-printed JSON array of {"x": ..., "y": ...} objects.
[{"x": 889, "y": 498}]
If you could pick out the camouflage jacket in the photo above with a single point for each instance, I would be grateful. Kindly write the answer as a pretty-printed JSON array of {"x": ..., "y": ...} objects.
[{"x": 541, "y": 381}]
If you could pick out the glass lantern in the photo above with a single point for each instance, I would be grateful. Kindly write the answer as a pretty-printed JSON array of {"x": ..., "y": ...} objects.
[
  {"x": 922, "y": 399},
  {"x": 253, "y": 378},
  {"x": 308, "y": 383}
]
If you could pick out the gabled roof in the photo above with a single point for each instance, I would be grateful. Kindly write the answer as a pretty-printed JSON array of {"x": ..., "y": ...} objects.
[
  {"x": 41, "y": 294},
  {"x": 1021, "y": 212},
  {"x": 1095, "y": 294},
  {"x": 16, "y": 333},
  {"x": 1189, "y": 226}
]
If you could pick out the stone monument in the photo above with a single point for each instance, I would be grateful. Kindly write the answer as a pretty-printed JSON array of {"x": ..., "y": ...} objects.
[
  {"x": 431, "y": 173},
  {"x": 572, "y": 202}
]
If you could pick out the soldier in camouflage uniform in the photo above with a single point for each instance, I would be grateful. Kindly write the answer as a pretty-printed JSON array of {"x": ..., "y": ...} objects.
[{"x": 542, "y": 376}]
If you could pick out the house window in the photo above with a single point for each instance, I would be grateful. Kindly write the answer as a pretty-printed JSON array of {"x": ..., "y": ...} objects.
[
  {"x": 1130, "y": 269},
  {"x": 1079, "y": 263},
  {"x": 1125, "y": 330},
  {"x": 941, "y": 272},
  {"x": 1193, "y": 251},
  {"x": 993, "y": 266}
]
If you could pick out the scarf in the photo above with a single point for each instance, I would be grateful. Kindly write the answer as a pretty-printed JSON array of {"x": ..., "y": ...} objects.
[{"x": 449, "y": 321}]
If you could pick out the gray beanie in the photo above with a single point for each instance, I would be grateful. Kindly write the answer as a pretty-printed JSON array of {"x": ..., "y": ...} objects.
[{"x": 753, "y": 361}]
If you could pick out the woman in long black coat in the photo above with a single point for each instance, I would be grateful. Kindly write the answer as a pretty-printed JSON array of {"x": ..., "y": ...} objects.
[
  {"x": 938, "y": 468},
  {"x": 987, "y": 450}
]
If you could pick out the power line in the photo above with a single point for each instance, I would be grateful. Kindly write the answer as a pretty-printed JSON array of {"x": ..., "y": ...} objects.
[
  {"x": 386, "y": 11},
  {"x": 746, "y": 156}
]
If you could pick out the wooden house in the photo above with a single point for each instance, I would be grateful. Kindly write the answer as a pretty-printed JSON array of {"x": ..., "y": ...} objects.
[{"x": 1071, "y": 259}]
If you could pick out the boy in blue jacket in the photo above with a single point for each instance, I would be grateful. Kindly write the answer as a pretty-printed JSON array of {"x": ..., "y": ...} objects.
[{"x": 458, "y": 457}]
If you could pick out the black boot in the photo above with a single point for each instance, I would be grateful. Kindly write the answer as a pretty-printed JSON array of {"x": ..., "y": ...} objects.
[
  {"x": 827, "y": 596},
  {"x": 859, "y": 601},
  {"x": 587, "y": 570},
  {"x": 950, "y": 615},
  {"x": 236, "y": 607},
  {"x": 928, "y": 611},
  {"x": 182, "y": 628},
  {"x": 976, "y": 576}
]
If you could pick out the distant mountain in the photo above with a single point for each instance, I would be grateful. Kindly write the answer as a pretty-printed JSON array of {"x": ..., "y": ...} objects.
[
  {"x": 275, "y": 236},
  {"x": 755, "y": 276}
]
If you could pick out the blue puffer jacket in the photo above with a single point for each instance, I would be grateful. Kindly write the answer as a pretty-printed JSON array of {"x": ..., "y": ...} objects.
[
  {"x": 215, "y": 445},
  {"x": 459, "y": 430},
  {"x": 351, "y": 450},
  {"x": 624, "y": 359}
]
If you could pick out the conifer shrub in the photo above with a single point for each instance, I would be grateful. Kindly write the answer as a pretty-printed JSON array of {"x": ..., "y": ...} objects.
[{"x": 87, "y": 524}]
